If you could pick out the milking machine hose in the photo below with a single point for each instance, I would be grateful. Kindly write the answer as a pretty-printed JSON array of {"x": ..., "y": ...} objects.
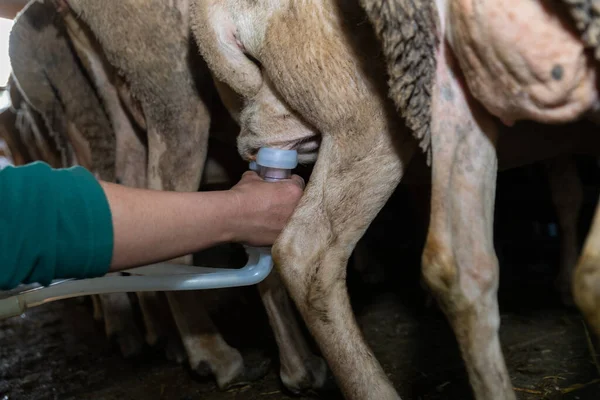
[{"x": 156, "y": 277}]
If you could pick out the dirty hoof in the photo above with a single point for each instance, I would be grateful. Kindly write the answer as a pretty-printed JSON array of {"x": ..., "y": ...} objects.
[
  {"x": 203, "y": 370},
  {"x": 308, "y": 380},
  {"x": 256, "y": 366},
  {"x": 234, "y": 371}
]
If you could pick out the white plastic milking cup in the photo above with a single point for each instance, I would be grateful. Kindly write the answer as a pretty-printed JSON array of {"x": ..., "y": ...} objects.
[{"x": 275, "y": 164}]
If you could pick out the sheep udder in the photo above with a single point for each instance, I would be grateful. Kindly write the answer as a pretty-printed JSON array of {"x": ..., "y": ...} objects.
[{"x": 522, "y": 59}]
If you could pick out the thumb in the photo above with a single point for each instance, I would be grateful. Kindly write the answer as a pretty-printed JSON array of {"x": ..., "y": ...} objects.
[{"x": 299, "y": 181}]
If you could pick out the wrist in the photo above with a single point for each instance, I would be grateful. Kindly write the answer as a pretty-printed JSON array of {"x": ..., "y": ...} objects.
[{"x": 235, "y": 217}]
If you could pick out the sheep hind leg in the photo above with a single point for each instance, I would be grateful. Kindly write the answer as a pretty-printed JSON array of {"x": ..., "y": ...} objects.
[{"x": 341, "y": 200}]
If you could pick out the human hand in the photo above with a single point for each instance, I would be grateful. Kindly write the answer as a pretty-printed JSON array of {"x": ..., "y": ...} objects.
[{"x": 264, "y": 207}]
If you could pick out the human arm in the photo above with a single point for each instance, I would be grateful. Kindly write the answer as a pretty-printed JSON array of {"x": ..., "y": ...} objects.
[
  {"x": 64, "y": 224},
  {"x": 152, "y": 226}
]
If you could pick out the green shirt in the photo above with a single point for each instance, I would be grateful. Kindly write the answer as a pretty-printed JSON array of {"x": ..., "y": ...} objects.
[{"x": 54, "y": 223}]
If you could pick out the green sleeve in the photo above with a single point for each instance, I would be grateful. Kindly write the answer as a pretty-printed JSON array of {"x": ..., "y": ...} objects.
[{"x": 54, "y": 223}]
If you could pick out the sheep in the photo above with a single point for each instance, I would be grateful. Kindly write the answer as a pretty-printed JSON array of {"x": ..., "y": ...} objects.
[
  {"x": 152, "y": 72},
  {"x": 51, "y": 81},
  {"x": 163, "y": 115},
  {"x": 310, "y": 76},
  {"x": 116, "y": 308}
]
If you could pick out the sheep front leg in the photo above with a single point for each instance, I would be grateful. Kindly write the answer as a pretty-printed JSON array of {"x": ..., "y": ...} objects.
[
  {"x": 208, "y": 352},
  {"x": 348, "y": 187},
  {"x": 459, "y": 262},
  {"x": 176, "y": 157}
]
